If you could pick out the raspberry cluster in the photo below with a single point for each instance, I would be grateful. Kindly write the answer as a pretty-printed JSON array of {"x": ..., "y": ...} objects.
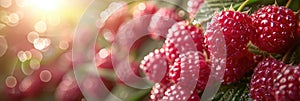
[{"x": 222, "y": 53}]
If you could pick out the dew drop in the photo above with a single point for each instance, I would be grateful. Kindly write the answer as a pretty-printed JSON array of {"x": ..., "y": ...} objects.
[
  {"x": 3, "y": 46},
  {"x": 11, "y": 81},
  {"x": 40, "y": 27},
  {"x": 45, "y": 75}
]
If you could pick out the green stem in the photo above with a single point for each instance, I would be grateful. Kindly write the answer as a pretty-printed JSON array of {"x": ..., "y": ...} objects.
[
  {"x": 243, "y": 5},
  {"x": 288, "y": 3}
]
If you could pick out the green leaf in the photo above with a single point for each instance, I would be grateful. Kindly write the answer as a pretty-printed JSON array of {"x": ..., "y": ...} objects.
[
  {"x": 209, "y": 7},
  {"x": 234, "y": 92},
  {"x": 126, "y": 93}
]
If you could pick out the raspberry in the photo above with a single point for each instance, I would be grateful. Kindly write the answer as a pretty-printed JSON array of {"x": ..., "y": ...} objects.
[
  {"x": 286, "y": 84},
  {"x": 193, "y": 6},
  {"x": 161, "y": 21},
  {"x": 158, "y": 91},
  {"x": 178, "y": 93},
  {"x": 189, "y": 82},
  {"x": 232, "y": 29},
  {"x": 262, "y": 79},
  {"x": 145, "y": 8},
  {"x": 178, "y": 40},
  {"x": 68, "y": 90},
  {"x": 204, "y": 70},
  {"x": 113, "y": 17},
  {"x": 155, "y": 66},
  {"x": 275, "y": 28}
]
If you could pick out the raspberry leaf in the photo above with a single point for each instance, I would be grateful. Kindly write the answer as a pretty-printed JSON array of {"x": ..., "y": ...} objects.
[
  {"x": 235, "y": 91},
  {"x": 209, "y": 7}
]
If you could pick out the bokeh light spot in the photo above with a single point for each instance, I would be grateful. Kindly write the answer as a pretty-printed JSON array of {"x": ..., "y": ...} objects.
[
  {"x": 26, "y": 69},
  {"x": 34, "y": 64},
  {"x": 41, "y": 43},
  {"x": 13, "y": 18},
  {"x": 32, "y": 36},
  {"x": 11, "y": 81},
  {"x": 63, "y": 45},
  {"x": 22, "y": 56},
  {"x": 40, "y": 27},
  {"x": 25, "y": 84},
  {"x": 5, "y": 3},
  {"x": 45, "y": 75},
  {"x": 37, "y": 54}
]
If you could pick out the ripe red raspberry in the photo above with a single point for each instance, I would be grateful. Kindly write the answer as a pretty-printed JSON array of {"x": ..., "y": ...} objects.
[
  {"x": 155, "y": 66},
  {"x": 161, "y": 21},
  {"x": 229, "y": 33},
  {"x": 262, "y": 79},
  {"x": 112, "y": 18},
  {"x": 145, "y": 8},
  {"x": 204, "y": 70},
  {"x": 275, "y": 28},
  {"x": 158, "y": 91},
  {"x": 189, "y": 83},
  {"x": 178, "y": 93},
  {"x": 193, "y": 6},
  {"x": 68, "y": 90},
  {"x": 182, "y": 38},
  {"x": 286, "y": 84}
]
